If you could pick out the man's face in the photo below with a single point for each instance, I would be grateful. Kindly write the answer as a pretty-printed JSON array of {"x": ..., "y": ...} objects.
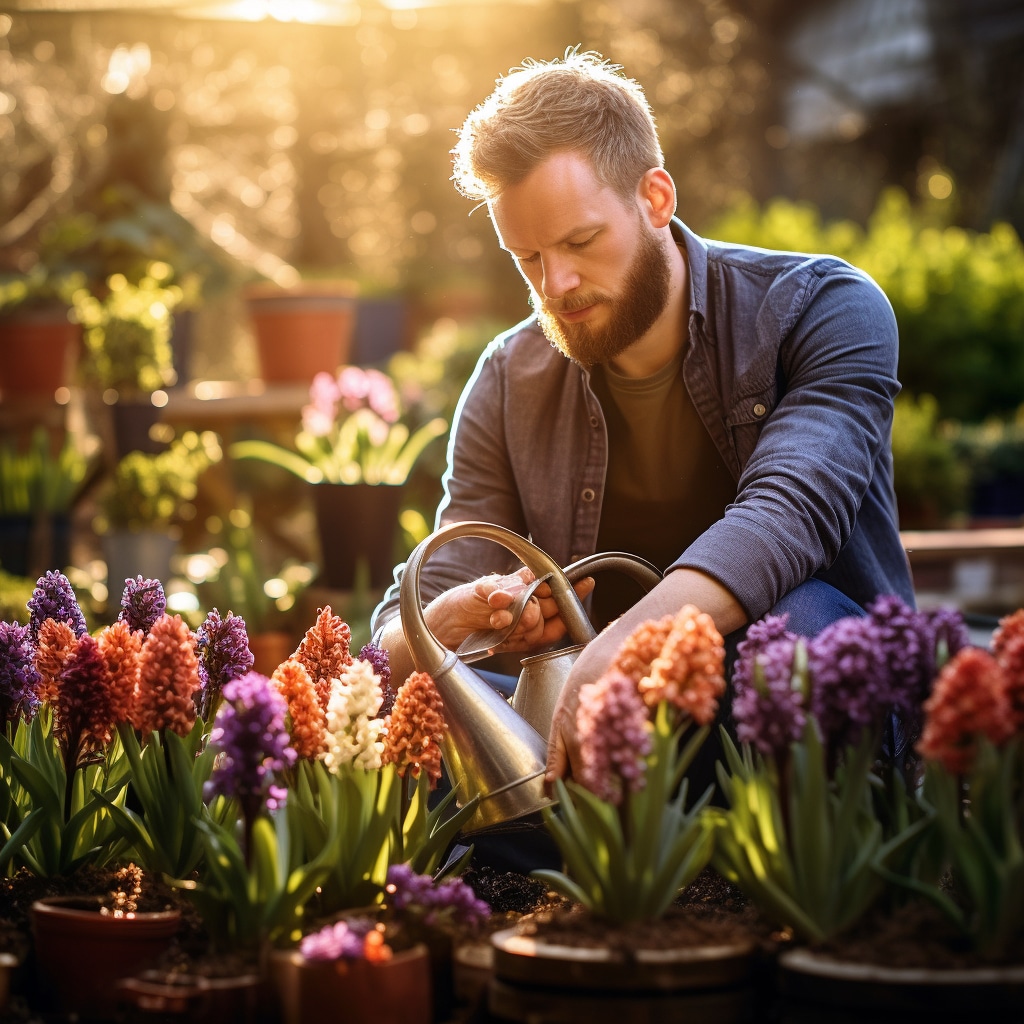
[{"x": 598, "y": 273}]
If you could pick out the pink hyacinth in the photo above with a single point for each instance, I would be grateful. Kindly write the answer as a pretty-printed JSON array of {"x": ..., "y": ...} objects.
[
  {"x": 615, "y": 737},
  {"x": 1008, "y": 650}
]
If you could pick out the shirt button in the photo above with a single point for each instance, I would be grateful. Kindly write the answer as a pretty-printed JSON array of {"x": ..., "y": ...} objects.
[
  {"x": 593, "y": 421},
  {"x": 588, "y": 494},
  {"x": 759, "y": 409}
]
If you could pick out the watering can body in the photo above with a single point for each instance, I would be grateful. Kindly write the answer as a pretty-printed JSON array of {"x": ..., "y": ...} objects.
[{"x": 493, "y": 748}]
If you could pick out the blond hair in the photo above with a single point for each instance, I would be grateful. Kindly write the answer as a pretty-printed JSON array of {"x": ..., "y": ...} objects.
[{"x": 580, "y": 103}]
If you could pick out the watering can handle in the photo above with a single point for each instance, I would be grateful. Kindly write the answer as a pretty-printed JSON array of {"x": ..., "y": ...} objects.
[{"x": 431, "y": 656}]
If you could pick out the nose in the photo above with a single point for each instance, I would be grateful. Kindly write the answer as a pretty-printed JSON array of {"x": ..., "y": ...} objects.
[{"x": 558, "y": 277}]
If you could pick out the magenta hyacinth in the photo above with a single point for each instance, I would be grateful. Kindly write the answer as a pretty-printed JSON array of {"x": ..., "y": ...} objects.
[
  {"x": 381, "y": 663},
  {"x": 54, "y": 598},
  {"x": 142, "y": 603},
  {"x": 615, "y": 736},
  {"x": 343, "y": 940}
]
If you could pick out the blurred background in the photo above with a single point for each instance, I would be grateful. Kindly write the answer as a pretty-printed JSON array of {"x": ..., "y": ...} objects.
[{"x": 173, "y": 172}]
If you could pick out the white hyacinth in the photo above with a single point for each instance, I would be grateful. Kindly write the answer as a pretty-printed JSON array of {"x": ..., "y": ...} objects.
[{"x": 354, "y": 735}]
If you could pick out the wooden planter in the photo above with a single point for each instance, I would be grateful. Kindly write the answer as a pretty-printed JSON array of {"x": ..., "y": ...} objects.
[{"x": 540, "y": 982}]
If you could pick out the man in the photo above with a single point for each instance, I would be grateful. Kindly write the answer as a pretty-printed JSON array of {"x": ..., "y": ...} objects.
[{"x": 723, "y": 411}]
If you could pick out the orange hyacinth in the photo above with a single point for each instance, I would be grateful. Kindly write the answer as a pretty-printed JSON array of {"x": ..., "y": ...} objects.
[
  {"x": 1008, "y": 650},
  {"x": 168, "y": 677},
  {"x": 689, "y": 670},
  {"x": 415, "y": 729},
  {"x": 324, "y": 652},
  {"x": 968, "y": 700},
  {"x": 641, "y": 647},
  {"x": 55, "y": 644},
  {"x": 120, "y": 647},
  {"x": 306, "y": 719}
]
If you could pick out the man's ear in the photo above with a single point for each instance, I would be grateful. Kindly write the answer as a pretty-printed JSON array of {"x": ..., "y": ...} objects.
[{"x": 657, "y": 195}]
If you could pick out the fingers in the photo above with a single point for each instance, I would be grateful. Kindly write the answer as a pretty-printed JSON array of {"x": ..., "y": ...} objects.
[{"x": 558, "y": 760}]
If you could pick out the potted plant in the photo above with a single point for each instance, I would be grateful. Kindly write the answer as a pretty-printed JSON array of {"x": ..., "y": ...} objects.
[
  {"x": 358, "y": 452},
  {"x": 143, "y": 502},
  {"x": 41, "y": 340},
  {"x": 632, "y": 840},
  {"x": 38, "y": 489}
]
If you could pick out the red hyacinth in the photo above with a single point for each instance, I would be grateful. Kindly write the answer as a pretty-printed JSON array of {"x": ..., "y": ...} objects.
[
  {"x": 415, "y": 729},
  {"x": 168, "y": 677},
  {"x": 1008, "y": 650},
  {"x": 307, "y": 723},
  {"x": 324, "y": 651},
  {"x": 82, "y": 711},
  {"x": 969, "y": 700}
]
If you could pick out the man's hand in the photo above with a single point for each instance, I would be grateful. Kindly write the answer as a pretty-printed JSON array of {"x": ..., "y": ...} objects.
[
  {"x": 682, "y": 586},
  {"x": 540, "y": 624}
]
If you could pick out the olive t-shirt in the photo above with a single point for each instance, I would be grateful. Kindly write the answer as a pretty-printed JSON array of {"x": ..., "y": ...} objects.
[{"x": 666, "y": 481}]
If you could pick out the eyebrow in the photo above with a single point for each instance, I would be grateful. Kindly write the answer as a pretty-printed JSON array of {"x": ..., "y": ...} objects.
[{"x": 583, "y": 229}]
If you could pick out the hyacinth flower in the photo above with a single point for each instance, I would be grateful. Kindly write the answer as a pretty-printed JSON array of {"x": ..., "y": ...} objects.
[
  {"x": 63, "y": 771},
  {"x": 254, "y": 885},
  {"x": 414, "y": 730},
  {"x": 19, "y": 677},
  {"x": 381, "y": 663},
  {"x": 222, "y": 646},
  {"x": 142, "y": 602},
  {"x": 628, "y": 836},
  {"x": 973, "y": 746},
  {"x": 162, "y": 739},
  {"x": 808, "y": 832},
  {"x": 324, "y": 651},
  {"x": 54, "y": 598}
]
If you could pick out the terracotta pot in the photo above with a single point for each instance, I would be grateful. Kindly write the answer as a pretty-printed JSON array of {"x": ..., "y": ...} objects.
[
  {"x": 356, "y": 522},
  {"x": 816, "y": 987},
  {"x": 269, "y": 650},
  {"x": 539, "y": 981},
  {"x": 154, "y": 996},
  {"x": 395, "y": 991},
  {"x": 39, "y": 353},
  {"x": 81, "y": 950},
  {"x": 302, "y": 331},
  {"x": 9, "y": 966}
]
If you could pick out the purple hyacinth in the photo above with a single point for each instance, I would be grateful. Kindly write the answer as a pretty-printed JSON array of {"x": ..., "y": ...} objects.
[
  {"x": 759, "y": 635},
  {"x": 222, "y": 646},
  {"x": 850, "y": 690},
  {"x": 381, "y": 663},
  {"x": 769, "y": 706},
  {"x": 54, "y": 598},
  {"x": 448, "y": 900},
  {"x": 142, "y": 603},
  {"x": 341, "y": 940},
  {"x": 18, "y": 674},
  {"x": 946, "y": 633},
  {"x": 904, "y": 642},
  {"x": 252, "y": 741}
]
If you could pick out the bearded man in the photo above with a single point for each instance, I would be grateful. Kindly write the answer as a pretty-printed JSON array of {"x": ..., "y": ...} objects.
[{"x": 722, "y": 411}]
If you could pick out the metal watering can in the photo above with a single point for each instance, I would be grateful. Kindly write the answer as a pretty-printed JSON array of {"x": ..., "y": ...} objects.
[{"x": 493, "y": 748}]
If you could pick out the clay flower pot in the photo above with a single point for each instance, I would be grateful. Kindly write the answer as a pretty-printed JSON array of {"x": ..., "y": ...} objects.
[
  {"x": 81, "y": 950},
  {"x": 395, "y": 991}
]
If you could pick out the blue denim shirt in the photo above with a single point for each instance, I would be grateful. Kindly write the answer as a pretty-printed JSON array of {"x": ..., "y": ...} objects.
[{"x": 791, "y": 364}]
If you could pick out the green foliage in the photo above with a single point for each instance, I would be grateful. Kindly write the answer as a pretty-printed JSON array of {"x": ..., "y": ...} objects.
[
  {"x": 167, "y": 778},
  {"x": 931, "y": 482},
  {"x": 147, "y": 491},
  {"x": 958, "y": 295},
  {"x": 629, "y": 863},
  {"x": 993, "y": 448},
  {"x": 15, "y": 592},
  {"x": 802, "y": 846},
  {"x": 53, "y": 824},
  {"x": 36, "y": 480},
  {"x": 41, "y": 288},
  {"x": 127, "y": 332}
]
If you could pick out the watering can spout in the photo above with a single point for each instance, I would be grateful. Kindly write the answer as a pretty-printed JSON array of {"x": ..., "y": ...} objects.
[{"x": 490, "y": 749}]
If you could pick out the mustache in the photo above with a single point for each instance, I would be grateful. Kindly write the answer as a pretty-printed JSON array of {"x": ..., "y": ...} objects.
[{"x": 570, "y": 304}]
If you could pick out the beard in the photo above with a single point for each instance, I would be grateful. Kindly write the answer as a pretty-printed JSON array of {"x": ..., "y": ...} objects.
[{"x": 644, "y": 298}]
